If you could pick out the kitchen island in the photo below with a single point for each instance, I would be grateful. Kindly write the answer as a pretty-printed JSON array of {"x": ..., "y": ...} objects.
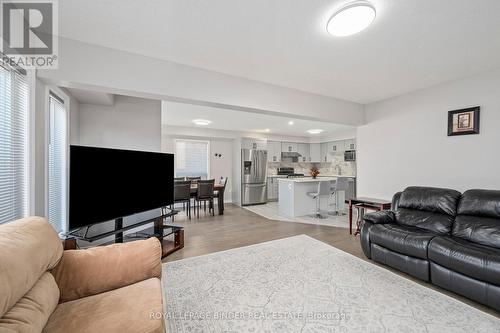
[{"x": 293, "y": 198}]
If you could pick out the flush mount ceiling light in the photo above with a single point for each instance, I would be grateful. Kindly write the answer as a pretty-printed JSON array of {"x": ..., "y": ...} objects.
[
  {"x": 201, "y": 122},
  {"x": 351, "y": 19},
  {"x": 267, "y": 130},
  {"x": 314, "y": 131},
  {"x": 290, "y": 122}
]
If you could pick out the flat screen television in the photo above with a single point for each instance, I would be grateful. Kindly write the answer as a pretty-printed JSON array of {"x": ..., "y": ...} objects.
[{"x": 107, "y": 184}]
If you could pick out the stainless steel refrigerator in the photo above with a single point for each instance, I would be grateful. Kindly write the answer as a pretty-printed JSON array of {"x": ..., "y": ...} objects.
[{"x": 253, "y": 176}]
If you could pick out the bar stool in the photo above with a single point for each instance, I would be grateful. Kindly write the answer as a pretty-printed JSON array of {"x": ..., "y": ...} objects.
[
  {"x": 323, "y": 191},
  {"x": 340, "y": 184}
]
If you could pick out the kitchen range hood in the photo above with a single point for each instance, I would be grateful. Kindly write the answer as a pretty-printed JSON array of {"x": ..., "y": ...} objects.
[{"x": 291, "y": 156}]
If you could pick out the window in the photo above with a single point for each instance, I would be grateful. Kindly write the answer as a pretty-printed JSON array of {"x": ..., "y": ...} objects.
[
  {"x": 13, "y": 145},
  {"x": 57, "y": 164},
  {"x": 191, "y": 158}
]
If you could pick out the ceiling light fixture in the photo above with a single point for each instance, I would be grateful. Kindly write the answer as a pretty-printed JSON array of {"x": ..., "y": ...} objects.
[
  {"x": 314, "y": 131},
  {"x": 290, "y": 122},
  {"x": 201, "y": 122},
  {"x": 267, "y": 130},
  {"x": 351, "y": 19}
]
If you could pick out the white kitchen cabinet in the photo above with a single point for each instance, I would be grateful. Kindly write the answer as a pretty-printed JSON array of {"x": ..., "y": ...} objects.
[
  {"x": 315, "y": 152},
  {"x": 253, "y": 143},
  {"x": 304, "y": 151},
  {"x": 289, "y": 147},
  {"x": 336, "y": 147},
  {"x": 274, "y": 151},
  {"x": 272, "y": 188},
  {"x": 324, "y": 152},
  {"x": 350, "y": 144}
]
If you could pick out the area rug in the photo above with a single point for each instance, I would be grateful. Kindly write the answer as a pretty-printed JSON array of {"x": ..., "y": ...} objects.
[{"x": 300, "y": 284}]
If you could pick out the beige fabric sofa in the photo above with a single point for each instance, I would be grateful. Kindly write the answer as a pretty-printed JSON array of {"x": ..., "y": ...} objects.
[{"x": 112, "y": 288}]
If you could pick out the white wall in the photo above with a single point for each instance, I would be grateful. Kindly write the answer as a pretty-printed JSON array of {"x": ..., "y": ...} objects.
[
  {"x": 131, "y": 123},
  {"x": 405, "y": 140},
  {"x": 95, "y": 67},
  {"x": 74, "y": 122}
]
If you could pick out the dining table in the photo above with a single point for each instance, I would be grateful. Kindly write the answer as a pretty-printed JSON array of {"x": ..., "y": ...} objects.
[{"x": 220, "y": 195}]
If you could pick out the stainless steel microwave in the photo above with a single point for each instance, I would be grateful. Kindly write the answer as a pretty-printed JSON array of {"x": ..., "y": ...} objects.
[{"x": 350, "y": 155}]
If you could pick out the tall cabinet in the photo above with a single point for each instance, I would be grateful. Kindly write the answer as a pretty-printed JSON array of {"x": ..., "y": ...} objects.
[
  {"x": 274, "y": 151},
  {"x": 315, "y": 152},
  {"x": 304, "y": 150}
]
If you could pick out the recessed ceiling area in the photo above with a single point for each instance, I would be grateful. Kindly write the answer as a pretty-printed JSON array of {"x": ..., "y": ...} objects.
[
  {"x": 180, "y": 114},
  {"x": 409, "y": 46},
  {"x": 92, "y": 96}
]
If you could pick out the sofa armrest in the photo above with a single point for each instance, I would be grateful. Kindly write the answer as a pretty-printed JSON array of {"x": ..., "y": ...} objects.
[
  {"x": 82, "y": 273},
  {"x": 380, "y": 217}
]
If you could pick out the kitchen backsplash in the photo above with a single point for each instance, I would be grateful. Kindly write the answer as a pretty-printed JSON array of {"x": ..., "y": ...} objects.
[{"x": 325, "y": 169}]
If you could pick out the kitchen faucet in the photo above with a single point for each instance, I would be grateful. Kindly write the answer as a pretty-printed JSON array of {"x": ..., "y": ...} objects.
[{"x": 337, "y": 168}]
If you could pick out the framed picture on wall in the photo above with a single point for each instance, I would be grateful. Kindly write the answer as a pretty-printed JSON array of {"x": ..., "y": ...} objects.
[{"x": 463, "y": 122}]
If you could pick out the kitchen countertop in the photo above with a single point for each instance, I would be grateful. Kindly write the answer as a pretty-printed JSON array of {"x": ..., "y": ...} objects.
[
  {"x": 308, "y": 179},
  {"x": 321, "y": 176},
  {"x": 347, "y": 176}
]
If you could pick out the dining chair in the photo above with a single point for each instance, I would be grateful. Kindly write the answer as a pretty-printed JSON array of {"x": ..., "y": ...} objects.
[
  {"x": 182, "y": 194},
  {"x": 194, "y": 181},
  {"x": 205, "y": 193},
  {"x": 219, "y": 194},
  {"x": 223, "y": 182}
]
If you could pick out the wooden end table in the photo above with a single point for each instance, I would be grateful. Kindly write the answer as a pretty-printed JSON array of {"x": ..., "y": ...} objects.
[{"x": 369, "y": 203}]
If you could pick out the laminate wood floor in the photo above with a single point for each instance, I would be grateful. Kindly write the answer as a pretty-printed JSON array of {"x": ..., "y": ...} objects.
[{"x": 239, "y": 227}]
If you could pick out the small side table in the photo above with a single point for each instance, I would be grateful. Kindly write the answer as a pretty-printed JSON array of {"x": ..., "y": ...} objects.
[
  {"x": 360, "y": 210},
  {"x": 368, "y": 203}
]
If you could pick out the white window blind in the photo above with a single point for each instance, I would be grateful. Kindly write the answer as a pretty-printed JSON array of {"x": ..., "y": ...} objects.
[
  {"x": 191, "y": 158},
  {"x": 57, "y": 164},
  {"x": 13, "y": 145}
]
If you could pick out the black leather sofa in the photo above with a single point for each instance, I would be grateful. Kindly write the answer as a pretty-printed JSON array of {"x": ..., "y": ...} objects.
[{"x": 441, "y": 236}]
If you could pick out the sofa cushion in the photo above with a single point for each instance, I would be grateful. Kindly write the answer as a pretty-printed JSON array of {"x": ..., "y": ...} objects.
[
  {"x": 434, "y": 222},
  {"x": 402, "y": 239},
  {"x": 37, "y": 248},
  {"x": 30, "y": 313},
  {"x": 430, "y": 199},
  {"x": 480, "y": 203},
  {"x": 428, "y": 208},
  {"x": 479, "y": 217},
  {"x": 471, "y": 259},
  {"x": 481, "y": 230},
  {"x": 127, "y": 309},
  {"x": 82, "y": 273}
]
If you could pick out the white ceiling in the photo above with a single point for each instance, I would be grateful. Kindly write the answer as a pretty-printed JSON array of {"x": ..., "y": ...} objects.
[
  {"x": 180, "y": 114},
  {"x": 411, "y": 45},
  {"x": 92, "y": 97}
]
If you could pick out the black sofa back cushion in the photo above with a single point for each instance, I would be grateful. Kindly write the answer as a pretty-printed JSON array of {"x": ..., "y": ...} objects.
[
  {"x": 480, "y": 203},
  {"x": 478, "y": 217},
  {"x": 428, "y": 208},
  {"x": 430, "y": 199},
  {"x": 435, "y": 222}
]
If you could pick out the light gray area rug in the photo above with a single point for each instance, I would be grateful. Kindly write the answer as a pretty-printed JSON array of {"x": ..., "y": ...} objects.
[{"x": 300, "y": 284}]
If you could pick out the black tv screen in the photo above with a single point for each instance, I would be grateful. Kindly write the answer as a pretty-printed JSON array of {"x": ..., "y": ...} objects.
[{"x": 107, "y": 184}]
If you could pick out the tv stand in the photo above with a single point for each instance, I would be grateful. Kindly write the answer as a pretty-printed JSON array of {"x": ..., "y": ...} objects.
[{"x": 158, "y": 230}]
